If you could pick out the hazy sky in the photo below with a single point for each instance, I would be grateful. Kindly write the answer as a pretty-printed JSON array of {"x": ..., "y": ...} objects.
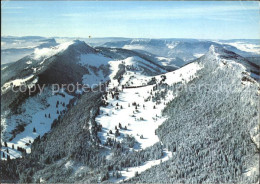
[{"x": 205, "y": 20}]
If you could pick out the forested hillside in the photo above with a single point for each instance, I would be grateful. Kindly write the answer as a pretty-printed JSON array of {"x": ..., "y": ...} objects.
[{"x": 213, "y": 129}]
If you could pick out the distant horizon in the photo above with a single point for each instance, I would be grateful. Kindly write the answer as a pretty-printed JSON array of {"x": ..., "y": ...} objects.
[
  {"x": 222, "y": 20},
  {"x": 114, "y": 37}
]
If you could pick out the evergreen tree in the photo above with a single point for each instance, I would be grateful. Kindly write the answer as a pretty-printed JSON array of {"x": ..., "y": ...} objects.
[
  {"x": 117, "y": 133},
  {"x": 8, "y": 158},
  {"x": 136, "y": 173},
  {"x": 118, "y": 175},
  {"x": 107, "y": 175}
]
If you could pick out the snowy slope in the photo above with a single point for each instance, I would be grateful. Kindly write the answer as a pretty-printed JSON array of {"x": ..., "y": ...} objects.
[
  {"x": 212, "y": 125},
  {"x": 136, "y": 111},
  {"x": 49, "y": 65},
  {"x": 145, "y": 116},
  {"x": 97, "y": 66},
  {"x": 148, "y": 121},
  {"x": 141, "y": 120},
  {"x": 39, "y": 112}
]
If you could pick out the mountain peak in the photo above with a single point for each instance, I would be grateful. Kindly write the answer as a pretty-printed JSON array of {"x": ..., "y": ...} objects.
[
  {"x": 81, "y": 47},
  {"x": 212, "y": 48},
  {"x": 216, "y": 49},
  {"x": 78, "y": 42},
  {"x": 222, "y": 53},
  {"x": 75, "y": 46}
]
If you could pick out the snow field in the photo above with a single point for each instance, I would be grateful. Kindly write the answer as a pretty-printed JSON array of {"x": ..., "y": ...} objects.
[
  {"x": 141, "y": 120},
  {"x": 35, "y": 115},
  {"x": 16, "y": 82}
]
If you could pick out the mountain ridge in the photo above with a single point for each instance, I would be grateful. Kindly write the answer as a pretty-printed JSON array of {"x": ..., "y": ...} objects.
[{"x": 185, "y": 117}]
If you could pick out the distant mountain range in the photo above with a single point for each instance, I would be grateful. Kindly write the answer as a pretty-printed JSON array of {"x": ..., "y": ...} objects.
[{"x": 168, "y": 110}]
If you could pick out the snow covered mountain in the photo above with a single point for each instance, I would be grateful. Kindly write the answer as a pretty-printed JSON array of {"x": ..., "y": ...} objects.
[
  {"x": 196, "y": 124},
  {"x": 212, "y": 129},
  {"x": 68, "y": 63},
  {"x": 44, "y": 66},
  {"x": 178, "y": 52}
]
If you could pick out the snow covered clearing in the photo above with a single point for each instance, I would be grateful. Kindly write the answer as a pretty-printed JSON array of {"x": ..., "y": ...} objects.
[
  {"x": 185, "y": 73},
  {"x": 96, "y": 75},
  {"x": 134, "y": 47},
  {"x": 172, "y": 45},
  {"x": 134, "y": 75},
  {"x": 138, "y": 121},
  {"x": 94, "y": 78},
  {"x": 39, "y": 111},
  {"x": 167, "y": 61},
  {"x": 138, "y": 115},
  {"x": 131, "y": 171},
  {"x": 4, "y": 68},
  {"x": 198, "y": 55},
  {"x": 93, "y": 60},
  {"x": 28, "y": 62},
  {"x": 164, "y": 58},
  {"x": 16, "y": 82},
  {"x": 133, "y": 112},
  {"x": 252, "y": 171},
  {"x": 114, "y": 66}
]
